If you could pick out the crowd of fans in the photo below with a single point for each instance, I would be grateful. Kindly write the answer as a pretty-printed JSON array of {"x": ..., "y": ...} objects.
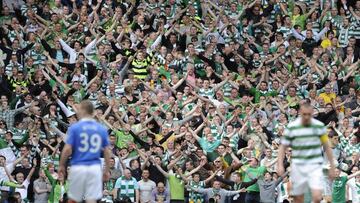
[{"x": 196, "y": 94}]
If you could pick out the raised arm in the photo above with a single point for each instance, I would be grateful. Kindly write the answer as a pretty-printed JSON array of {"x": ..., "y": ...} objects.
[
  {"x": 207, "y": 180},
  {"x": 66, "y": 111},
  {"x": 297, "y": 35},
  {"x": 321, "y": 33},
  {"x": 315, "y": 6},
  {"x": 218, "y": 86},
  {"x": 194, "y": 135},
  {"x": 173, "y": 162},
  {"x": 18, "y": 161},
  {"x": 31, "y": 173},
  {"x": 11, "y": 178},
  {"x": 69, "y": 50},
  {"x": 42, "y": 20},
  {"x": 166, "y": 174},
  {"x": 180, "y": 81},
  {"x": 281, "y": 178},
  {"x": 202, "y": 163},
  {"x": 357, "y": 173},
  {"x": 283, "y": 8}
]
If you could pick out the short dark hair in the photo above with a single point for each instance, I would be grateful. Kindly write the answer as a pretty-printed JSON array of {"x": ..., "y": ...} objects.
[
  {"x": 226, "y": 138},
  {"x": 133, "y": 161},
  {"x": 196, "y": 174}
]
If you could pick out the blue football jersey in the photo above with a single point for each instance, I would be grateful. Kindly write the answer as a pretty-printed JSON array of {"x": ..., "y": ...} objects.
[{"x": 88, "y": 138}]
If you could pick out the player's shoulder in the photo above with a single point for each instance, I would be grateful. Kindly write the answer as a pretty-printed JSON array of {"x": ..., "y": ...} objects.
[
  {"x": 75, "y": 126},
  {"x": 87, "y": 122},
  {"x": 95, "y": 124},
  {"x": 100, "y": 127},
  {"x": 317, "y": 124},
  {"x": 297, "y": 124},
  {"x": 294, "y": 124}
]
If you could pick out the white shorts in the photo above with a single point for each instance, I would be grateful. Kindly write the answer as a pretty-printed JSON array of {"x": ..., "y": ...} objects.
[
  {"x": 85, "y": 183},
  {"x": 306, "y": 176}
]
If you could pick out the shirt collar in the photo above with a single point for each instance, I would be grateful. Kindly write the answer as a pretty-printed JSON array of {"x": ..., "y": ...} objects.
[{"x": 87, "y": 119}]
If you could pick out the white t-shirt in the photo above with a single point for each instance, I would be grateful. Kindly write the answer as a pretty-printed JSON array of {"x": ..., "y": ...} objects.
[
  {"x": 353, "y": 191},
  {"x": 146, "y": 189},
  {"x": 266, "y": 161},
  {"x": 80, "y": 78},
  {"x": 23, "y": 191}
]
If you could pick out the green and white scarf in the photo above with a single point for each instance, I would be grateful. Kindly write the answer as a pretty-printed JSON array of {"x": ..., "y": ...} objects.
[
  {"x": 127, "y": 188},
  {"x": 195, "y": 196}
]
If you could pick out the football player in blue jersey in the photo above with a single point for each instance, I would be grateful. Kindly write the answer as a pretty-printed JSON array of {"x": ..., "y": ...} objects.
[{"x": 86, "y": 140}]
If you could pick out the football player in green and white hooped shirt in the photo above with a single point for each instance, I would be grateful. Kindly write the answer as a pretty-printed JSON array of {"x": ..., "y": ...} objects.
[{"x": 307, "y": 137}]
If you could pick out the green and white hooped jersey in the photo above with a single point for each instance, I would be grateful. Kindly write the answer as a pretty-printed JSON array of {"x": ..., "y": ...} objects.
[
  {"x": 215, "y": 132},
  {"x": 305, "y": 141},
  {"x": 234, "y": 141},
  {"x": 210, "y": 93},
  {"x": 18, "y": 134}
]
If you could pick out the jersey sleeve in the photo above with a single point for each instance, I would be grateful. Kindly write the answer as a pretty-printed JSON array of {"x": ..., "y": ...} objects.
[
  {"x": 70, "y": 138},
  {"x": 286, "y": 139},
  {"x": 322, "y": 131}
]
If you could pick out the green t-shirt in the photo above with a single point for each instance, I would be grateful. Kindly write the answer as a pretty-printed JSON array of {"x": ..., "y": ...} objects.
[
  {"x": 209, "y": 146},
  {"x": 214, "y": 155},
  {"x": 254, "y": 173},
  {"x": 257, "y": 94},
  {"x": 339, "y": 188},
  {"x": 232, "y": 101},
  {"x": 133, "y": 153},
  {"x": 299, "y": 20},
  {"x": 165, "y": 73},
  {"x": 211, "y": 156},
  {"x": 5, "y": 19},
  {"x": 176, "y": 188},
  {"x": 122, "y": 139}
]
